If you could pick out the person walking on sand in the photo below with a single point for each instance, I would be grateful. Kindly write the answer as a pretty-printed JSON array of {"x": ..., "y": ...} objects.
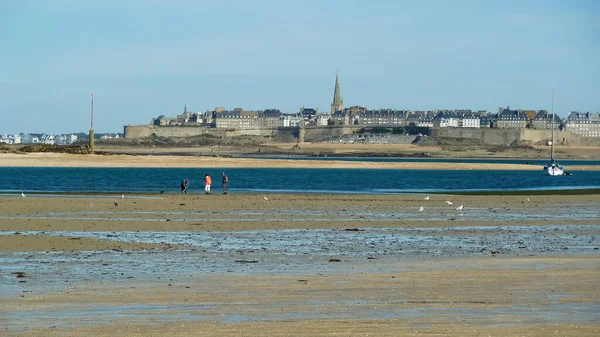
[
  {"x": 184, "y": 186},
  {"x": 207, "y": 182},
  {"x": 224, "y": 182}
]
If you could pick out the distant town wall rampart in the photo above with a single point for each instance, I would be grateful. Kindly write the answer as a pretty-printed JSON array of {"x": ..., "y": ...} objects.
[
  {"x": 503, "y": 137},
  {"x": 486, "y": 136},
  {"x": 507, "y": 136},
  {"x": 322, "y": 133},
  {"x": 311, "y": 134},
  {"x": 143, "y": 131}
]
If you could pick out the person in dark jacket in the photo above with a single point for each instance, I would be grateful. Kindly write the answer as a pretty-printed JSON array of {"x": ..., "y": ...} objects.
[
  {"x": 224, "y": 182},
  {"x": 184, "y": 186}
]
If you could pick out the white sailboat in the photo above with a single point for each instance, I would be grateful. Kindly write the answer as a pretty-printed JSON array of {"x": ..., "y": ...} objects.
[{"x": 553, "y": 168}]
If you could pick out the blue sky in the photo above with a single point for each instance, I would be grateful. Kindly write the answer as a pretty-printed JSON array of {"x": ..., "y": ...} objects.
[{"x": 144, "y": 58}]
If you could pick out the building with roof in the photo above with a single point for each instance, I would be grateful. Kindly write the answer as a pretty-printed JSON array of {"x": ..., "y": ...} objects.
[
  {"x": 485, "y": 121},
  {"x": 584, "y": 124},
  {"x": 382, "y": 117},
  {"x": 270, "y": 118},
  {"x": 511, "y": 119},
  {"x": 469, "y": 120},
  {"x": 237, "y": 119},
  {"x": 340, "y": 118},
  {"x": 290, "y": 120},
  {"x": 446, "y": 118},
  {"x": 531, "y": 114},
  {"x": 543, "y": 121},
  {"x": 163, "y": 120},
  {"x": 308, "y": 113}
]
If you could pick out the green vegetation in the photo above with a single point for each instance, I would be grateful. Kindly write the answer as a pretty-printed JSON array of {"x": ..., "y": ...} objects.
[
  {"x": 73, "y": 149},
  {"x": 22, "y": 149},
  {"x": 203, "y": 140},
  {"x": 4, "y": 148}
]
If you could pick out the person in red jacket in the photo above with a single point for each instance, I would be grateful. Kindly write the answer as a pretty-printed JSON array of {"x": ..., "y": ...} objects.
[{"x": 207, "y": 182}]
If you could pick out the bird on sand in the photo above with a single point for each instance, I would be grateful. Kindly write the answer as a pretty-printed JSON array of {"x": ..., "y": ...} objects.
[
  {"x": 23, "y": 194},
  {"x": 116, "y": 203},
  {"x": 421, "y": 209},
  {"x": 528, "y": 199},
  {"x": 427, "y": 198},
  {"x": 122, "y": 196},
  {"x": 459, "y": 208},
  {"x": 267, "y": 199},
  {"x": 449, "y": 203}
]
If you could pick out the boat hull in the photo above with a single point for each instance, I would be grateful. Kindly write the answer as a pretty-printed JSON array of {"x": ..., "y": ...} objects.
[{"x": 555, "y": 171}]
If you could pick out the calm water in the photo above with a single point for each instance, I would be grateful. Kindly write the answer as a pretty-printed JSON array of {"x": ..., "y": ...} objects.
[{"x": 275, "y": 180}]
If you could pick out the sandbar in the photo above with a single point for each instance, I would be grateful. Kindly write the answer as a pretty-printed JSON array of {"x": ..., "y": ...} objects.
[{"x": 75, "y": 160}]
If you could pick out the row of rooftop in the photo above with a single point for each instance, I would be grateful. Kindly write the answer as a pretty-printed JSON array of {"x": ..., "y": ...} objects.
[
  {"x": 52, "y": 139},
  {"x": 586, "y": 124},
  {"x": 58, "y": 139}
]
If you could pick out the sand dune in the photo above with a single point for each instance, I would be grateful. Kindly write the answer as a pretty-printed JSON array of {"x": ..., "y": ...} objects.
[{"x": 69, "y": 160}]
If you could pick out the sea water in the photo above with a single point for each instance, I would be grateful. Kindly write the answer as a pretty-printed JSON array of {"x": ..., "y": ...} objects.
[{"x": 284, "y": 180}]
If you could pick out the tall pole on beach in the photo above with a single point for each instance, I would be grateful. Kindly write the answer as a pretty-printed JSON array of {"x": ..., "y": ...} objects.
[
  {"x": 552, "y": 145},
  {"x": 92, "y": 127}
]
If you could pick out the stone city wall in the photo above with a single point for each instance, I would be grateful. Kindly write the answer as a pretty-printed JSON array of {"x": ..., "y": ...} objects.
[
  {"x": 143, "y": 131},
  {"x": 310, "y": 134},
  {"x": 323, "y": 133},
  {"x": 507, "y": 136},
  {"x": 486, "y": 136}
]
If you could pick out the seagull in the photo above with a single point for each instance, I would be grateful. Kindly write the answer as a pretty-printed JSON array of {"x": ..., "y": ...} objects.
[
  {"x": 427, "y": 198},
  {"x": 528, "y": 199},
  {"x": 116, "y": 203},
  {"x": 421, "y": 209},
  {"x": 23, "y": 194},
  {"x": 449, "y": 203},
  {"x": 122, "y": 196},
  {"x": 267, "y": 199},
  {"x": 459, "y": 208}
]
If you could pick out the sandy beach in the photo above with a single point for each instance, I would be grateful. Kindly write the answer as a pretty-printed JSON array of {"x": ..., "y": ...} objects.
[
  {"x": 296, "y": 264},
  {"x": 300, "y": 265},
  {"x": 71, "y": 160},
  {"x": 322, "y": 148}
]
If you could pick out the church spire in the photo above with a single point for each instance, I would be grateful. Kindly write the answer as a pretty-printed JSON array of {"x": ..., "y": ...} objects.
[
  {"x": 185, "y": 108},
  {"x": 337, "y": 104},
  {"x": 336, "y": 94}
]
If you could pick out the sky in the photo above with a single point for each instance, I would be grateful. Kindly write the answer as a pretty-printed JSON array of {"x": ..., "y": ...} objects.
[{"x": 144, "y": 58}]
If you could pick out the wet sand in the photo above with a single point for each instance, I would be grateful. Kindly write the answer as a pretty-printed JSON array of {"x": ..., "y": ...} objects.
[
  {"x": 240, "y": 212},
  {"x": 300, "y": 265},
  {"x": 70, "y": 160},
  {"x": 485, "y": 298},
  {"x": 19, "y": 243}
]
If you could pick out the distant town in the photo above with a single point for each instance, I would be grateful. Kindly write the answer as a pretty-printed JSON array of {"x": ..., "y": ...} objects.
[
  {"x": 584, "y": 124},
  {"x": 53, "y": 139},
  {"x": 338, "y": 121}
]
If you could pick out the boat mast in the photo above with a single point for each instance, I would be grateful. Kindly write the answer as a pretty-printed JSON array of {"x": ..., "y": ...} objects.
[{"x": 552, "y": 148}]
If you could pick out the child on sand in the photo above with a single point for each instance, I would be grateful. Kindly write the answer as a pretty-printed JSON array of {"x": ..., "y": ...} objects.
[{"x": 207, "y": 182}]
